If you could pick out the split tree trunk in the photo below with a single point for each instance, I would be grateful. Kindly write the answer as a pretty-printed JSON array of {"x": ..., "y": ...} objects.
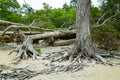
[{"x": 83, "y": 46}]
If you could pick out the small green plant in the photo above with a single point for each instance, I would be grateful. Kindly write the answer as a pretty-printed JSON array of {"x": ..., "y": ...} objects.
[
  {"x": 117, "y": 50},
  {"x": 38, "y": 49}
]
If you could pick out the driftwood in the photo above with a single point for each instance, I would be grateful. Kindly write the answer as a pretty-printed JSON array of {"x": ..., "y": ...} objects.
[
  {"x": 3, "y": 22},
  {"x": 45, "y": 43},
  {"x": 33, "y": 35},
  {"x": 36, "y": 36},
  {"x": 14, "y": 27},
  {"x": 24, "y": 50},
  {"x": 64, "y": 42},
  {"x": 53, "y": 34},
  {"x": 25, "y": 32},
  {"x": 8, "y": 24}
]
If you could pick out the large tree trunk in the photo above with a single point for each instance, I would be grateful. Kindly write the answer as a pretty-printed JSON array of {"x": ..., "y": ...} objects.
[{"x": 83, "y": 45}]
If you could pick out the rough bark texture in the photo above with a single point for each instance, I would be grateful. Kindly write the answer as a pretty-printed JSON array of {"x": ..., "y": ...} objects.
[{"x": 83, "y": 45}]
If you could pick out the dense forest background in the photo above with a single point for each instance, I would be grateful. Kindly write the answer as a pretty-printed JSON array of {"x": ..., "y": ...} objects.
[{"x": 105, "y": 19}]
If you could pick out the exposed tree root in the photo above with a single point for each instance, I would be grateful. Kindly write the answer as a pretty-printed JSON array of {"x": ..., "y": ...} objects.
[
  {"x": 57, "y": 60},
  {"x": 57, "y": 65},
  {"x": 19, "y": 74}
]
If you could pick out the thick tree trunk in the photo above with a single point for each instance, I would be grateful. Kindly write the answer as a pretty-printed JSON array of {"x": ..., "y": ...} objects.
[{"x": 83, "y": 45}]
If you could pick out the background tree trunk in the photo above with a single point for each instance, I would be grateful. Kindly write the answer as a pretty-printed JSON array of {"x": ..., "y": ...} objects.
[{"x": 83, "y": 45}]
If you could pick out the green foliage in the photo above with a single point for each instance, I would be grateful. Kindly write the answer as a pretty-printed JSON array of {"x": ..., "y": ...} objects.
[
  {"x": 9, "y": 10},
  {"x": 48, "y": 17},
  {"x": 117, "y": 50},
  {"x": 38, "y": 50},
  {"x": 52, "y": 18},
  {"x": 112, "y": 6},
  {"x": 44, "y": 24},
  {"x": 95, "y": 14},
  {"x": 106, "y": 36},
  {"x": 73, "y": 3}
]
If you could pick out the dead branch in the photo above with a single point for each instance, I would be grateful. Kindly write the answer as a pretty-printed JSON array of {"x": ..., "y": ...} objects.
[
  {"x": 34, "y": 21},
  {"x": 10, "y": 27},
  {"x": 10, "y": 23},
  {"x": 109, "y": 18}
]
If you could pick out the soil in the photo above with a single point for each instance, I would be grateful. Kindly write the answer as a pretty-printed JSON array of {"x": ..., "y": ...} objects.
[{"x": 94, "y": 72}]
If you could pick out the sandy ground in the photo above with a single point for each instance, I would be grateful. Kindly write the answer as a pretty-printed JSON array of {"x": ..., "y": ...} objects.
[{"x": 96, "y": 72}]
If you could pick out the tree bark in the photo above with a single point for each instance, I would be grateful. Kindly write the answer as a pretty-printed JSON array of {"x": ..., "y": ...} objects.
[{"x": 83, "y": 46}]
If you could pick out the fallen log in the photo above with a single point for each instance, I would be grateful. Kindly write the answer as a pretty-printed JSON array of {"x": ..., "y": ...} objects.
[
  {"x": 3, "y": 22},
  {"x": 44, "y": 43},
  {"x": 54, "y": 34},
  {"x": 25, "y": 32},
  {"x": 6, "y": 24},
  {"x": 14, "y": 27},
  {"x": 64, "y": 42},
  {"x": 37, "y": 37}
]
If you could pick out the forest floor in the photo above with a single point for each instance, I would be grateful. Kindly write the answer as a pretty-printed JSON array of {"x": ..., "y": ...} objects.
[{"x": 94, "y": 72}]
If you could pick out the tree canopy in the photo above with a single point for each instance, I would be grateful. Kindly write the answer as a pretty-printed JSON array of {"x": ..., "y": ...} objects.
[{"x": 48, "y": 17}]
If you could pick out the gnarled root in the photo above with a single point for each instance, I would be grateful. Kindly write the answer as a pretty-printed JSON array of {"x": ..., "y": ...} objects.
[
  {"x": 24, "y": 50},
  {"x": 78, "y": 61}
]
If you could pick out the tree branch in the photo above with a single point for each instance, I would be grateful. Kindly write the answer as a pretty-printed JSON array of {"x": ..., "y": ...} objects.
[{"x": 109, "y": 18}]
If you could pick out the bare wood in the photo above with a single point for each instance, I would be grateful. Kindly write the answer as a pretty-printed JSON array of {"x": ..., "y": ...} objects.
[
  {"x": 9, "y": 23},
  {"x": 53, "y": 34},
  {"x": 24, "y": 50},
  {"x": 109, "y": 18},
  {"x": 58, "y": 33},
  {"x": 64, "y": 42},
  {"x": 12, "y": 26},
  {"x": 25, "y": 32},
  {"x": 44, "y": 43}
]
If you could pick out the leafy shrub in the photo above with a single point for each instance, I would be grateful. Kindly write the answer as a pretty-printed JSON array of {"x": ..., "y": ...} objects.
[{"x": 106, "y": 37}]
